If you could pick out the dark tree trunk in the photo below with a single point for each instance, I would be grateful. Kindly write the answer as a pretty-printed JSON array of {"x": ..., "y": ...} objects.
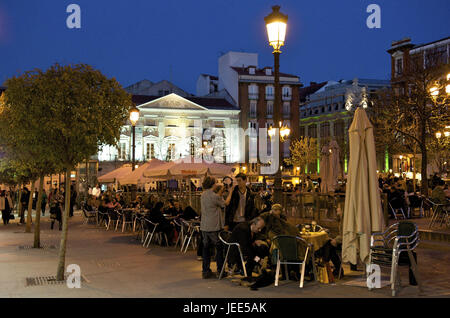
[
  {"x": 65, "y": 219},
  {"x": 423, "y": 149},
  {"x": 37, "y": 227}
]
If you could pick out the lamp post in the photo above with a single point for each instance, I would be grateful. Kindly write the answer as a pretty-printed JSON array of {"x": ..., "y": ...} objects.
[
  {"x": 276, "y": 23},
  {"x": 134, "y": 117}
]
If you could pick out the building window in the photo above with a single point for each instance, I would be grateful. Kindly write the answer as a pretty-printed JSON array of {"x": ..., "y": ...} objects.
[
  {"x": 251, "y": 70},
  {"x": 269, "y": 92},
  {"x": 150, "y": 151},
  {"x": 312, "y": 131},
  {"x": 253, "y": 91},
  {"x": 269, "y": 109},
  {"x": 122, "y": 151},
  {"x": 268, "y": 71},
  {"x": 192, "y": 147},
  {"x": 171, "y": 152},
  {"x": 286, "y": 109},
  {"x": 324, "y": 130},
  {"x": 399, "y": 66},
  {"x": 286, "y": 92},
  {"x": 253, "y": 108},
  {"x": 302, "y": 131}
]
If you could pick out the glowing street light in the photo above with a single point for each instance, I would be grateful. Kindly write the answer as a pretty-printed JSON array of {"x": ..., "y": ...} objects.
[
  {"x": 276, "y": 24},
  {"x": 134, "y": 118}
]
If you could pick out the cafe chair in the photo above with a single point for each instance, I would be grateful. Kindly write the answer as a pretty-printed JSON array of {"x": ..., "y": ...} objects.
[
  {"x": 396, "y": 247},
  {"x": 127, "y": 219},
  {"x": 224, "y": 237},
  {"x": 183, "y": 228},
  {"x": 396, "y": 209},
  {"x": 151, "y": 229},
  {"x": 288, "y": 248},
  {"x": 88, "y": 214},
  {"x": 188, "y": 239},
  {"x": 440, "y": 213},
  {"x": 113, "y": 218}
]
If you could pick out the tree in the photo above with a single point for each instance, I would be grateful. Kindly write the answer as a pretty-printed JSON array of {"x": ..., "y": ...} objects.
[
  {"x": 82, "y": 110},
  {"x": 303, "y": 152},
  {"x": 409, "y": 115}
]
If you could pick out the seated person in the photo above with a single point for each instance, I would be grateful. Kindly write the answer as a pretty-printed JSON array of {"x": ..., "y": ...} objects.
[
  {"x": 174, "y": 208},
  {"x": 156, "y": 216},
  {"x": 276, "y": 223},
  {"x": 188, "y": 214},
  {"x": 438, "y": 195},
  {"x": 253, "y": 250},
  {"x": 113, "y": 204},
  {"x": 137, "y": 204}
]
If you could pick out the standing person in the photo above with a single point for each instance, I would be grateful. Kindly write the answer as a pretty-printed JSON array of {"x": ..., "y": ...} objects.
[
  {"x": 73, "y": 199},
  {"x": 5, "y": 206},
  {"x": 55, "y": 208},
  {"x": 24, "y": 199},
  {"x": 35, "y": 197},
  {"x": 44, "y": 201},
  {"x": 240, "y": 203},
  {"x": 212, "y": 222}
]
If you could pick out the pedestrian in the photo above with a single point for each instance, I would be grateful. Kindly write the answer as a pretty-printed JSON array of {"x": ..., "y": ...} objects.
[
  {"x": 240, "y": 203},
  {"x": 35, "y": 197},
  {"x": 73, "y": 199},
  {"x": 212, "y": 222},
  {"x": 55, "y": 208},
  {"x": 5, "y": 206},
  {"x": 44, "y": 201},
  {"x": 24, "y": 200}
]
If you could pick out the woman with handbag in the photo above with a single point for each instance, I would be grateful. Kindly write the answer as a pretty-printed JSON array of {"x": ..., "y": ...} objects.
[
  {"x": 5, "y": 207},
  {"x": 55, "y": 208}
]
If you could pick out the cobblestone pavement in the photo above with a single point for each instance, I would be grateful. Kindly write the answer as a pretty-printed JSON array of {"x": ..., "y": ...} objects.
[{"x": 114, "y": 264}]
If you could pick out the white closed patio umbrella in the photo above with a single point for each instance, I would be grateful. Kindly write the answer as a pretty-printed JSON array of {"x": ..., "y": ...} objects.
[
  {"x": 335, "y": 167},
  {"x": 362, "y": 213},
  {"x": 324, "y": 166}
]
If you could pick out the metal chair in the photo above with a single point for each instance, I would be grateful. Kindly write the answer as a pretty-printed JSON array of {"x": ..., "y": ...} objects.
[
  {"x": 224, "y": 237},
  {"x": 192, "y": 230},
  {"x": 113, "y": 217},
  {"x": 127, "y": 219},
  {"x": 88, "y": 214},
  {"x": 395, "y": 207},
  {"x": 440, "y": 212},
  {"x": 151, "y": 229},
  {"x": 387, "y": 249},
  {"x": 288, "y": 254},
  {"x": 179, "y": 223}
]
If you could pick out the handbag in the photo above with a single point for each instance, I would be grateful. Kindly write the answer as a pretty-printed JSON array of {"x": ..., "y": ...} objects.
[{"x": 11, "y": 216}]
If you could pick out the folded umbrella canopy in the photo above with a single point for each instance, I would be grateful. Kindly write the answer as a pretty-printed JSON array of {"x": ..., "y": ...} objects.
[
  {"x": 334, "y": 166},
  {"x": 324, "y": 166},
  {"x": 362, "y": 213}
]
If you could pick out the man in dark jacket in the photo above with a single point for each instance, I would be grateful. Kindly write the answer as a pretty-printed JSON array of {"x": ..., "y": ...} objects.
[
  {"x": 241, "y": 204},
  {"x": 253, "y": 250}
]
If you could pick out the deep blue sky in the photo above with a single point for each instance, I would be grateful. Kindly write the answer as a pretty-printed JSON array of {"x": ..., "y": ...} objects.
[{"x": 146, "y": 39}]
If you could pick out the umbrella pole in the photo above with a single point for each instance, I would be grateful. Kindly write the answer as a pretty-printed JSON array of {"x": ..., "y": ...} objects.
[{"x": 190, "y": 192}]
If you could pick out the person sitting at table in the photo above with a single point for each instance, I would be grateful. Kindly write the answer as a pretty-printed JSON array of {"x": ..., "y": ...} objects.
[
  {"x": 137, "y": 204},
  {"x": 156, "y": 216},
  {"x": 188, "y": 213},
  {"x": 174, "y": 208},
  {"x": 276, "y": 223},
  {"x": 253, "y": 250},
  {"x": 113, "y": 204},
  {"x": 438, "y": 195}
]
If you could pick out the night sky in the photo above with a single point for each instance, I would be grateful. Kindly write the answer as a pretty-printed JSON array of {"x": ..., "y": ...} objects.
[{"x": 179, "y": 39}]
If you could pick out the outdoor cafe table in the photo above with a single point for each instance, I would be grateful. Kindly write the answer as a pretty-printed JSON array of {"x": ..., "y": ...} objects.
[{"x": 317, "y": 239}]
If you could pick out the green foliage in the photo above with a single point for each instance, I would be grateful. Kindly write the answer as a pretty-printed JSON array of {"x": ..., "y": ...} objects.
[
  {"x": 62, "y": 116},
  {"x": 303, "y": 152}
]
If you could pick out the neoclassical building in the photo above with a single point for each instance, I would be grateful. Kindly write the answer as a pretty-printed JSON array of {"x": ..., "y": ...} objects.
[{"x": 172, "y": 127}]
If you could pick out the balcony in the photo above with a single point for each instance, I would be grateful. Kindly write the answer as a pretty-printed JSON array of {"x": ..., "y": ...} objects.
[
  {"x": 270, "y": 96},
  {"x": 287, "y": 97},
  {"x": 252, "y": 114},
  {"x": 286, "y": 115}
]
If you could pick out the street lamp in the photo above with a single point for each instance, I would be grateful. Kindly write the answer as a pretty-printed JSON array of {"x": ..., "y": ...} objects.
[
  {"x": 134, "y": 117},
  {"x": 276, "y": 24}
]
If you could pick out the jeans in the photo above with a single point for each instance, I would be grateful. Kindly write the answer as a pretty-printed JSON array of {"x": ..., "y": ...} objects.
[{"x": 211, "y": 239}]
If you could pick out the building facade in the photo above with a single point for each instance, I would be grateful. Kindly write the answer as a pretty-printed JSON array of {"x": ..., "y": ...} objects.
[
  {"x": 326, "y": 112},
  {"x": 252, "y": 90},
  {"x": 405, "y": 57},
  {"x": 173, "y": 127}
]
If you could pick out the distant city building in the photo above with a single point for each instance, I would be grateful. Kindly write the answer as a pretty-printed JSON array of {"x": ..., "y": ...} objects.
[
  {"x": 326, "y": 111},
  {"x": 165, "y": 129},
  {"x": 161, "y": 88},
  {"x": 252, "y": 89},
  {"x": 404, "y": 56}
]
